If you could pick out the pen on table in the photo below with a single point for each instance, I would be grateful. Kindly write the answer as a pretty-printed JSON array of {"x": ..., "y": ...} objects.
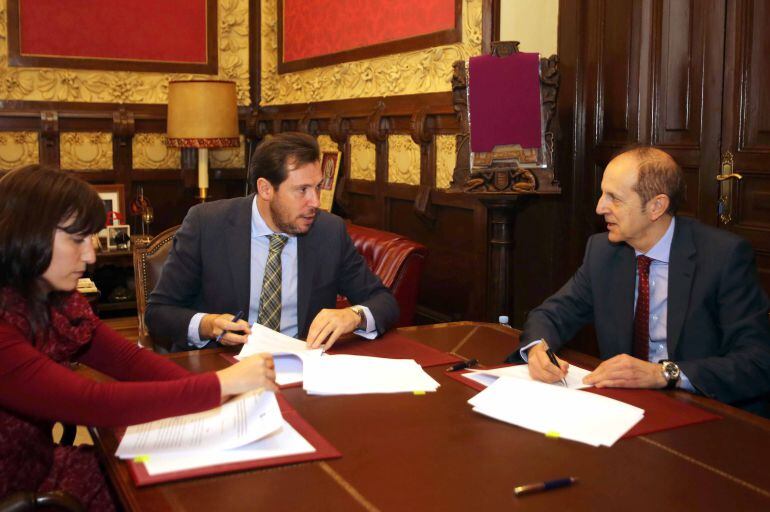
[
  {"x": 521, "y": 490},
  {"x": 552, "y": 357},
  {"x": 462, "y": 365},
  {"x": 237, "y": 317}
]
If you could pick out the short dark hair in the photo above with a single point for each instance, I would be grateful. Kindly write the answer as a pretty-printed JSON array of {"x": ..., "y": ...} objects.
[
  {"x": 658, "y": 174},
  {"x": 34, "y": 201},
  {"x": 275, "y": 156}
]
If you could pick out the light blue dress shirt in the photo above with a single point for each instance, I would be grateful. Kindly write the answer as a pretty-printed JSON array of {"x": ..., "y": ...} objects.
[
  {"x": 260, "y": 247},
  {"x": 659, "y": 254}
]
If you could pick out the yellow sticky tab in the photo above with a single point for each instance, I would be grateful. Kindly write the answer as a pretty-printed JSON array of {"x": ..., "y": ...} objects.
[
  {"x": 552, "y": 434},
  {"x": 142, "y": 458},
  {"x": 418, "y": 392}
]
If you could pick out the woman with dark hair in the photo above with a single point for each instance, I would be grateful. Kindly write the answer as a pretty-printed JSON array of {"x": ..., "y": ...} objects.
[{"x": 47, "y": 218}]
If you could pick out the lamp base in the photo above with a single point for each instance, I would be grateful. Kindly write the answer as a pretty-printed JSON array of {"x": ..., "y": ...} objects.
[{"x": 203, "y": 195}]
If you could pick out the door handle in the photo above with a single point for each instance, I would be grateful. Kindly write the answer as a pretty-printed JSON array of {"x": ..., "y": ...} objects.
[{"x": 728, "y": 189}]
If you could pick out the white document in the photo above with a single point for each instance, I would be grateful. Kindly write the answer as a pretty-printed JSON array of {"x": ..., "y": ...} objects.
[
  {"x": 288, "y": 353},
  {"x": 486, "y": 377},
  {"x": 285, "y": 441},
  {"x": 349, "y": 375},
  {"x": 566, "y": 413},
  {"x": 240, "y": 421}
]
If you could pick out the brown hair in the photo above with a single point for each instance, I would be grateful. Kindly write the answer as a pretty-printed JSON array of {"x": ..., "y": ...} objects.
[
  {"x": 275, "y": 156},
  {"x": 658, "y": 174},
  {"x": 34, "y": 202}
]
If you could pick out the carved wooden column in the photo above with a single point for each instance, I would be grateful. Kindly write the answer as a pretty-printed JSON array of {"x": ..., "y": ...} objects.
[{"x": 49, "y": 138}]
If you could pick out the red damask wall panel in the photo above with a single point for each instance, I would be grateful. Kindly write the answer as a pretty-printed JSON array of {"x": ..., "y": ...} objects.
[
  {"x": 146, "y": 31},
  {"x": 315, "y": 28}
]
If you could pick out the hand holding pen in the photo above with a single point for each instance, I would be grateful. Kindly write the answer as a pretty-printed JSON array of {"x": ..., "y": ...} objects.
[
  {"x": 233, "y": 330},
  {"x": 546, "y": 367}
]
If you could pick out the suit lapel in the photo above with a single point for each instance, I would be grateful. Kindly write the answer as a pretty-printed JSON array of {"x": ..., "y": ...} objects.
[
  {"x": 681, "y": 270},
  {"x": 305, "y": 274},
  {"x": 624, "y": 279},
  {"x": 238, "y": 253}
]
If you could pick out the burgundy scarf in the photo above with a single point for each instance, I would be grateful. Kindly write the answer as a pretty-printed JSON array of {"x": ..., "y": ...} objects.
[{"x": 71, "y": 324}]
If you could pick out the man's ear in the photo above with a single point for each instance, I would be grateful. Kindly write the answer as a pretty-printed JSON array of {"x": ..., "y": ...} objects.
[
  {"x": 265, "y": 189},
  {"x": 657, "y": 206}
]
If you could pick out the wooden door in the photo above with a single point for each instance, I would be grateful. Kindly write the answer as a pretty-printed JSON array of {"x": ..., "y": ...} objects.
[{"x": 746, "y": 123}]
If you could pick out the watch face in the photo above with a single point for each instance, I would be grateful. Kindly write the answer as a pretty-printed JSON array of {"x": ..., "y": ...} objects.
[{"x": 671, "y": 371}]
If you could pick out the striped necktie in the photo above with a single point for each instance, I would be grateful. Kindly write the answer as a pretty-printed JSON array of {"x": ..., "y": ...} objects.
[{"x": 270, "y": 298}]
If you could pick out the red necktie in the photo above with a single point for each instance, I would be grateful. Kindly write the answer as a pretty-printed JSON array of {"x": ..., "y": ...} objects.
[{"x": 641, "y": 348}]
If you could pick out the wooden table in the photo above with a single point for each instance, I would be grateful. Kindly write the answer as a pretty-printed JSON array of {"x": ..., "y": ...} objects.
[{"x": 432, "y": 452}]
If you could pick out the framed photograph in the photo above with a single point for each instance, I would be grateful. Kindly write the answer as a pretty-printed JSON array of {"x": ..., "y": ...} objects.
[
  {"x": 330, "y": 165},
  {"x": 118, "y": 237},
  {"x": 114, "y": 205}
]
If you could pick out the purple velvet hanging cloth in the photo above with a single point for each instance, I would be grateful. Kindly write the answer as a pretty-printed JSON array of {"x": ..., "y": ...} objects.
[{"x": 504, "y": 100}]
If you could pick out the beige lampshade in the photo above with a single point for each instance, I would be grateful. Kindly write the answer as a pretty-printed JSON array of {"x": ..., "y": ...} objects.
[{"x": 202, "y": 114}]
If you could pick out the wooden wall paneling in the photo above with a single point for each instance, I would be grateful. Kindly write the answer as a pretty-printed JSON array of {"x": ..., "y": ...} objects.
[{"x": 746, "y": 122}]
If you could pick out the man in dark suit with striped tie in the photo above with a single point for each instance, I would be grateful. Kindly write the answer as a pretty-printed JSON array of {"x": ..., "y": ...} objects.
[{"x": 274, "y": 255}]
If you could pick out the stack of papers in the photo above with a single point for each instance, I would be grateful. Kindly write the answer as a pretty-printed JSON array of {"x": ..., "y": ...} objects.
[
  {"x": 246, "y": 428},
  {"x": 288, "y": 353},
  {"x": 557, "y": 411},
  {"x": 350, "y": 375},
  {"x": 325, "y": 374},
  {"x": 486, "y": 377}
]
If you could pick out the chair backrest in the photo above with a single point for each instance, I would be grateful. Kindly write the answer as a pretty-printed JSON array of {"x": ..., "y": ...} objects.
[
  {"x": 396, "y": 260},
  {"x": 149, "y": 258}
]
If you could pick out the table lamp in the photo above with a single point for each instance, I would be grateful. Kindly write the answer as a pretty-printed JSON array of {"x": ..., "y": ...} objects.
[{"x": 202, "y": 114}]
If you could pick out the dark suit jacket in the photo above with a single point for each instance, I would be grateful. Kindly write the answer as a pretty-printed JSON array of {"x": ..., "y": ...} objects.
[
  {"x": 718, "y": 329},
  {"x": 208, "y": 270}
]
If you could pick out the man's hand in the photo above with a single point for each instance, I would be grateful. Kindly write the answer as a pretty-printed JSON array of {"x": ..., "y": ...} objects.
[
  {"x": 541, "y": 368},
  {"x": 329, "y": 325},
  {"x": 625, "y": 371},
  {"x": 257, "y": 371},
  {"x": 212, "y": 326}
]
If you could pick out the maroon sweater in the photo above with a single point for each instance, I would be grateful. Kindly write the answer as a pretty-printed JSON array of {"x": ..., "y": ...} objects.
[{"x": 35, "y": 391}]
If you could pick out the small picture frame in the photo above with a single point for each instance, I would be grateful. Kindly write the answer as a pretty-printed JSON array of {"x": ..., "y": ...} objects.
[
  {"x": 330, "y": 166},
  {"x": 113, "y": 197},
  {"x": 118, "y": 237}
]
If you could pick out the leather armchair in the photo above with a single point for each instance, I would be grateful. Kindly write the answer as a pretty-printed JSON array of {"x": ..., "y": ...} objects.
[
  {"x": 149, "y": 258},
  {"x": 396, "y": 260},
  {"x": 23, "y": 501}
]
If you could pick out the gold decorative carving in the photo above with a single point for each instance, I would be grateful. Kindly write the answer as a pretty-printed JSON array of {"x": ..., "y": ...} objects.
[
  {"x": 53, "y": 84},
  {"x": 414, "y": 72},
  {"x": 229, "y": 158},
  {"x": 446, "y": 147},
  {"x": 85, "y": 151},
  {"x": 363, "y": 158},
  {"x": 403, "y": 160},
  {"x": 149, "y": 151},
  {"x": 326, "y": 143},
  {"x": 18, "y": 149}
]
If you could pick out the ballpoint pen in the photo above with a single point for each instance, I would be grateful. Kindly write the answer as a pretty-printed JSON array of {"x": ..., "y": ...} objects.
[
  {"x": 237, "y": 317},
  {"x": 552, "y": 358},
  {"x": 544, "y": 486}
]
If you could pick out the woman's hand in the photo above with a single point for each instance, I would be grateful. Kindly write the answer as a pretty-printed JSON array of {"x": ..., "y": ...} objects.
[{"x": 257, "y": 371}]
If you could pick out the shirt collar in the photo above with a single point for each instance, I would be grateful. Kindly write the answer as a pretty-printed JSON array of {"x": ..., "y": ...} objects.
[
  {"x": 662, "y": 250},
  {"x": 258, "y": 225}
]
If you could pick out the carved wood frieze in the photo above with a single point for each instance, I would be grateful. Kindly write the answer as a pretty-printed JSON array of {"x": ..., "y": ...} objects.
[
  {"x": 149, "y": 151},
  {"x": 18, "y": 149},
  {"x": 363, "y": 158},
  {"x": 403, "y": 160},
  {"x": 86, "y": 151}
]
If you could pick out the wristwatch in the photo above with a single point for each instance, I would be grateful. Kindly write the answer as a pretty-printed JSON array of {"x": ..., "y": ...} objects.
[
  {"x": 361, "y": 316},
  {"x": 671, "y": 372}
]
